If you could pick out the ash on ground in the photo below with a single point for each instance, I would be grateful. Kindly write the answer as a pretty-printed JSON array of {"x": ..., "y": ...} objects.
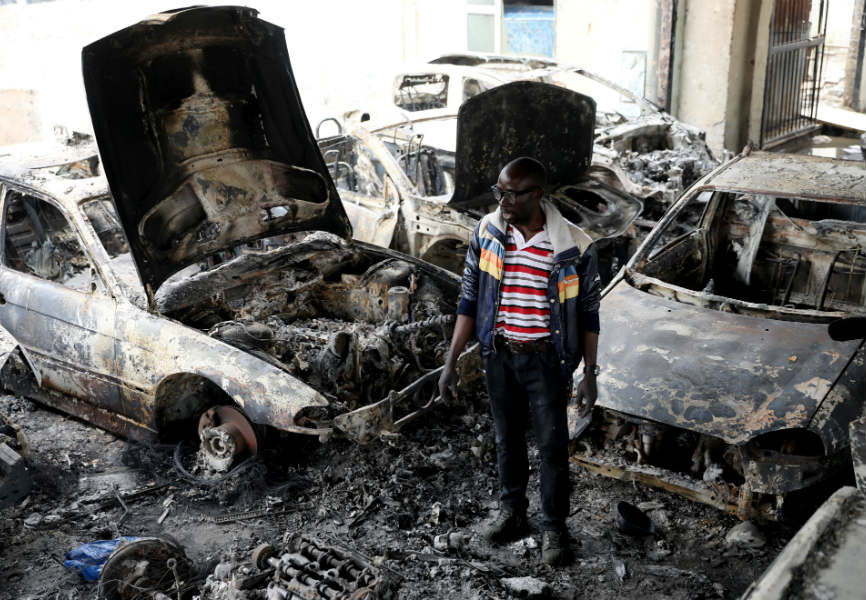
[{"x": 413, "y": 505}]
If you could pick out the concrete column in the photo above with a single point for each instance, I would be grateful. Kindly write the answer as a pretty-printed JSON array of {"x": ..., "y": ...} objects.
[
  {"x": 719, "y": 78},
  {"x": 855, "y": 97}
]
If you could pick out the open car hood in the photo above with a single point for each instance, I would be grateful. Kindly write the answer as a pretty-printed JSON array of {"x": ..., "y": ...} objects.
[
  {"x": 204, "y": 138},
  {"x": 717, "y": 373},
  {"x": 524, "y": 118}
]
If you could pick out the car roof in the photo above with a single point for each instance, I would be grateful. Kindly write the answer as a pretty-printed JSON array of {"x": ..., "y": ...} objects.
[
  {"x": 457, "y": 70},
  {"x": 494, "y": 61},
  {"x": 35, "y": 166},
  {"x": 794, "y": 176}
]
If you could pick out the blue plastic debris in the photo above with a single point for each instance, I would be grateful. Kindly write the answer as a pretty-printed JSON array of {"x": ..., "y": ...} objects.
[{"x": 89, "y": 558}]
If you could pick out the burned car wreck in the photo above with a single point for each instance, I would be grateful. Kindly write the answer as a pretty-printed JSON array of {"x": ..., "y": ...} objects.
[
  {"x": 720, "y": 380},
  {"x": 403, "y": 194},
  {"x": 206, "y": 148},
  {"x": 639, "y": 148}
]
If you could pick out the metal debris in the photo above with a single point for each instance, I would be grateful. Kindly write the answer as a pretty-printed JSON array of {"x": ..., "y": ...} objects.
[{"x": 305, "y": 567}]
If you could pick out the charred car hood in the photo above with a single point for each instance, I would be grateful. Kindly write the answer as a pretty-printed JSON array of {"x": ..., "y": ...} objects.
[
  {"x": 717, "y": 373},
  {"x": 204, "y": 138},
  {"x": 524, "y": 118}
]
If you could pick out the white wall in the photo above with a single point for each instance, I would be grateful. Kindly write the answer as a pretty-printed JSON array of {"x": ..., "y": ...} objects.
[
  {"x": 343, "y": 52},
  {"x": 705, "y": 63},
  {"x": 839, "y": 17},
  {"x": 592, "y": 35}
]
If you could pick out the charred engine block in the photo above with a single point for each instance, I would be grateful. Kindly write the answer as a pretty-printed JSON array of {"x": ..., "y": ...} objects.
[{"x": 351, "y": 328}]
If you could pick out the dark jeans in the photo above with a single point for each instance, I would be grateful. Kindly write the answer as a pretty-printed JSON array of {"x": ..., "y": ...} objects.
[{"x": 530, "y": 383}]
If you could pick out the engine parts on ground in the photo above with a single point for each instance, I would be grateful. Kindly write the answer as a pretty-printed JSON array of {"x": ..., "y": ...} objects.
[
  {"x": 302, "y": 568},
  {"x": 145, "y": 568}
]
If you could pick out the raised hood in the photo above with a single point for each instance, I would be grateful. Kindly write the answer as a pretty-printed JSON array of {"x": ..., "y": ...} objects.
[
  {"x": 525, "y": 118},
  {"x": 204, "y": 138}
]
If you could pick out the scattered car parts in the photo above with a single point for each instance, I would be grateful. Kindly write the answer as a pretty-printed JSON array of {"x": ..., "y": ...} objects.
[
  {"x": 147, "y": 567},
  {"x": 303, "y": 566}
]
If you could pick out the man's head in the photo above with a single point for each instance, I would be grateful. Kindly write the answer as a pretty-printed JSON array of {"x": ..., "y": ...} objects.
[{"x": 521, "y": 186}]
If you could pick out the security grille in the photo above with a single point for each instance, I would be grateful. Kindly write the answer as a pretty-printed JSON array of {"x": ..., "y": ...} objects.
[{"x": 796, "y": 56}]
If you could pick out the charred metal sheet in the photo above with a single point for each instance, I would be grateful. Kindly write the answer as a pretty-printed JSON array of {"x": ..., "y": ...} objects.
[
  {"x": 723, "y": 496},
  {"x": 742, "y": 376},
  {"x": 493, "y": 128},
  {"x": 842, "y": 405},
  {"x": 204, "y": 137},
  {"x": 8, "y": 344},
  {"x": 601, "y": 210},
  {"x": 794, "y": 176}
]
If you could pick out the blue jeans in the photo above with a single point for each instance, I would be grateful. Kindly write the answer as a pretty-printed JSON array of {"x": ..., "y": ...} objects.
[{"x": 530, "y": 383}]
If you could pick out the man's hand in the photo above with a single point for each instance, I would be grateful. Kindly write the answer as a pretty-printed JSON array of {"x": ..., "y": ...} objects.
[
  {"x": 587, "y": 394},
  {"x": 448, "y": 382}
]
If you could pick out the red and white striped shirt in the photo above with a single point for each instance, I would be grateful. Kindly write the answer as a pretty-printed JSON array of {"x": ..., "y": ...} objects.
[{"x": 524, "y": 310}]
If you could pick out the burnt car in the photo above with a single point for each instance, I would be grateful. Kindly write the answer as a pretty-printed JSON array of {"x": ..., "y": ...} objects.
[
  {"x": 639, "y": 147},
  {"x": 403, "y": 194},
  {"x": 387, "y": 208},
  {"x": 147, "y": 311},
  {"x": 719, "y": 379}
]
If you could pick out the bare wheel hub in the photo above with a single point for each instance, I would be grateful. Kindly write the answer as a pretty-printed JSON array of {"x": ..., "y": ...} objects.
[{"x": 225, "y": 435}]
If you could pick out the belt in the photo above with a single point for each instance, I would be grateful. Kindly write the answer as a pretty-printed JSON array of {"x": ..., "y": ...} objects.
[{"x": 501, "y": 342}]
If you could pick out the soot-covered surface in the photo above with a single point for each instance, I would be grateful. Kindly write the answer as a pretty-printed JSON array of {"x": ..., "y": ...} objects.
[{"x": 388, "y": 500}]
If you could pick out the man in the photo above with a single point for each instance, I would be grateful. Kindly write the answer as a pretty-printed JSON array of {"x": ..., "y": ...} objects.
[{"x": 530, "y": 294}]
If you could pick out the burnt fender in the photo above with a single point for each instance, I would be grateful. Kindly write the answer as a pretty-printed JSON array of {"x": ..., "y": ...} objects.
[{"x": 266, "y": 394}]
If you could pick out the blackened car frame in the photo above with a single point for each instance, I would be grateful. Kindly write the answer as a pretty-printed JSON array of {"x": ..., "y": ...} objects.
[
  {"x": 146, "y": 311},
  {"x": 719, "y": 379}
]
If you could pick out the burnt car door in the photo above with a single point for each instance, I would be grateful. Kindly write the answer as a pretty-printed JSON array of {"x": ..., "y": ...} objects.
[
  {"x": 55, "y": 301},
  {"x": 369, "y": 195}
]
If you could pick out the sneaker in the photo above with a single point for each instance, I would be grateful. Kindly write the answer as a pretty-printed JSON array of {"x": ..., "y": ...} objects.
[
  {"x": 554, "y": 547},
  {"x": 507, "y": 527}
]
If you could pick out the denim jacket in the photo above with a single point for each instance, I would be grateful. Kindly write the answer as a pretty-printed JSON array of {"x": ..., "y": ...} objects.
[{"x": 573, "y": 288}]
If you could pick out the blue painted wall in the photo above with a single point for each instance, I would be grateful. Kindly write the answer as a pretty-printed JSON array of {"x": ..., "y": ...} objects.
[{"x": 529, "y": 30}]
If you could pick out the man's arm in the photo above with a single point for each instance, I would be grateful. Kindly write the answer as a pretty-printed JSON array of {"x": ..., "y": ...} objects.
[
  {"x": 590, "y": 296},
  {"x": 463, "y": 330},
  {"x": 465, "y": 325}
]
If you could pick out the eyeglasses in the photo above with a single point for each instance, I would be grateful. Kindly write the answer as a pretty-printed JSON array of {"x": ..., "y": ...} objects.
[{"x": 510, "y": 195}]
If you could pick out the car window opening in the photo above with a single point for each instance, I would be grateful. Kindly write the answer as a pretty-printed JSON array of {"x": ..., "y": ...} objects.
[
  {"x": 40, "y": 241},
  {"x": 421, "y": 92},
  {"x": 780, "y": 252}
]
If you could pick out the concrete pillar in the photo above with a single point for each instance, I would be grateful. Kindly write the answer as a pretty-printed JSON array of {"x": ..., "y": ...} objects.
[
  {"x": 719, "y": 77},
  {"x": 854, "y": 95}
]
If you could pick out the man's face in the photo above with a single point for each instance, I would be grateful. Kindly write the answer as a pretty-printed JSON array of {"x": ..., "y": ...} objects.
[{"x": 519, "y": 206}]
